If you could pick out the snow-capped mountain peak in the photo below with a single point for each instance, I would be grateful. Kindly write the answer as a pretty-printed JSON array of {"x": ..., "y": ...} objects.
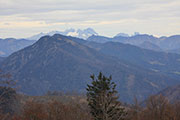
[{"x": 84, "y": 34}]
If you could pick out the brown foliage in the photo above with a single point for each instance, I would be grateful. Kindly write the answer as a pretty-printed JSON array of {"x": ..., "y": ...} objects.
[
  {"x": 34, "y": 111},
  {"x": 53, "y": 110},
  {"x": 157, "y": 108}
]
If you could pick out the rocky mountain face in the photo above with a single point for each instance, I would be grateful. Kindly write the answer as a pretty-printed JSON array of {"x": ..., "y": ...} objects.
[
  {"x": 10, "y": 45},
  {"x": 65, "y": 63}
]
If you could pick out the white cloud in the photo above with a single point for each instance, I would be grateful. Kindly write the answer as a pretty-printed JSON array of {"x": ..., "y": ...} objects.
[{"x": 33, "y": 16}]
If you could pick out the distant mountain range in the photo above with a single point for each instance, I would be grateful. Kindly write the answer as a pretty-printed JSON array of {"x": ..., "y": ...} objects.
[
  {"x": 133, "y": 40},
  {"x": 10, "y": 45},
  {"x": 169, "y": 43},
  {"x": 65, "y": 63},
  {"x": 144, "y": 41},
  {"x": 84, "y": 34},
  {"x": 163, "y": 44}
]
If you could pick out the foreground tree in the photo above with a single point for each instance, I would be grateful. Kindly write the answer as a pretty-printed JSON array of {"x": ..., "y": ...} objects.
[
  {"x": 7, "y": 96},
  {"x": 103, "y": 100}
]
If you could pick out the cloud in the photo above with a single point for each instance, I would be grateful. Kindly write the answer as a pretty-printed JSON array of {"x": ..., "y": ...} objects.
[
  {"x": 44, "y": 15},
  {"x": 9, "y": 7}
]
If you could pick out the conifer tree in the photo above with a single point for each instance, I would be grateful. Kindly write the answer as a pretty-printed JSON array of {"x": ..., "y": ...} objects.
[{"x": 103, "y": 100}]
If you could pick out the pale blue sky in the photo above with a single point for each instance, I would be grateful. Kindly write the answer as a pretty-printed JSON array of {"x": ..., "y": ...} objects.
[{"x": 23, "y": 18}]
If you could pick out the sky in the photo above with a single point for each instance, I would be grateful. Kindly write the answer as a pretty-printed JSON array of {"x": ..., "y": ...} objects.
[{"x": 24, "y": 18}]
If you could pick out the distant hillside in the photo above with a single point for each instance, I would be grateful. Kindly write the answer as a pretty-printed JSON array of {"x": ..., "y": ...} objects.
[
  {"x": 174, "y": 51},
  {"x": 10, "y": 45},
  {"x": 99, "y": 39},
  {"x": 160, "y": 62},
  {"x": 62, "y": 63},
  {"x": 172, "y": 93},
  {"x": 150, "y": 46},
  {"x": 1, "y": 59},
  {"x": 169, "y": 43}
]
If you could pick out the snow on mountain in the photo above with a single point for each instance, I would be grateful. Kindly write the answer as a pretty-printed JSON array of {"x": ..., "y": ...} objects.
[
  {"x": 84, "y": 34},
  {"x": 136, "y": 33},
  {"x": 122, "y": 35},
  {"x": 126, "y": 35}
]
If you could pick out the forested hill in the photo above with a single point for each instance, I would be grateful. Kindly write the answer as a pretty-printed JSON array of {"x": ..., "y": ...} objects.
[{"x": 60, "y": 63}]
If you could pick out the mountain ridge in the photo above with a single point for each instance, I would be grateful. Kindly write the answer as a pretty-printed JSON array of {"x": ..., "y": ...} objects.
[
  {"x": 160, "y": 62},
  {"x": 164, "y": 43},
  {"x": 10, "y": 45}
]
